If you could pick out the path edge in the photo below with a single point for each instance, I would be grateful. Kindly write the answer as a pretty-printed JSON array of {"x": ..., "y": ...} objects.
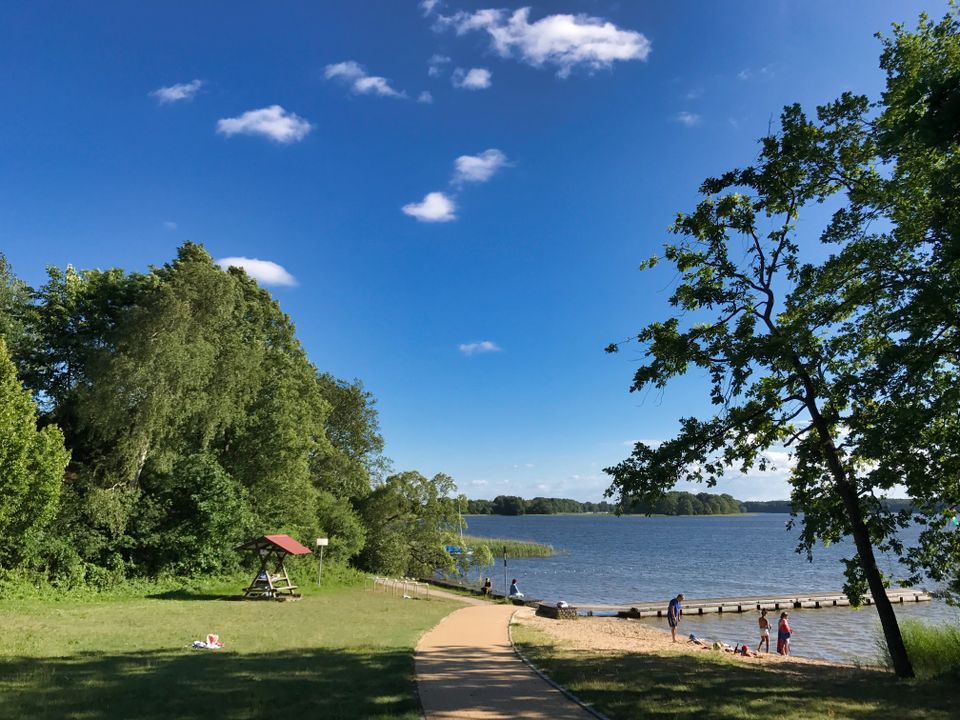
[{"x": 546, "y": 678}]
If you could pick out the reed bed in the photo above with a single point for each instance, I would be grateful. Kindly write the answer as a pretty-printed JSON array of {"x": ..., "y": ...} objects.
[
  {"x": 933, "y": 649},
  {"x": 514, "y": 548}
]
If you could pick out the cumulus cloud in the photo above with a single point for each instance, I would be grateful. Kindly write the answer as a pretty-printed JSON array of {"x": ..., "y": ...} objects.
[
  {"x": 271, "y": 122},
  {"x": 425, "y": 97},
  {"x": 472, "y": 79},
  {"x": 178, "y": 92},
  {"x": 478, "y": 168},
  {"x": 435, "y": 64},
  {"x": 687, "y": 119},
  {"x": 428, "y": 6},
  {"x": 561, "y": 41},
  {"x": 354, "y": 75},
  {"x": 476, "y": 348},
  {"x": 263, "y": 271},
  {"x": 435, "y": 207}
]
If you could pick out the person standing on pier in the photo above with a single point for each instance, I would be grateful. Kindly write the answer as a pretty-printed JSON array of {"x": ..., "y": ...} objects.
[
  {"x": 764, "y": 631},
  {"x": 674, "y": 612},
  {"x": 783, "y": 635}
]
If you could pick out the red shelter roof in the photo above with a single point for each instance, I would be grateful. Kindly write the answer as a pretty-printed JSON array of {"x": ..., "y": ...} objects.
[{"x": 283, "y": 542}]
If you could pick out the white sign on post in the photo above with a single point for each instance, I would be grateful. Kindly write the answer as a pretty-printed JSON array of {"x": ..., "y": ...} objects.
[{"x": 321, "y": 543}]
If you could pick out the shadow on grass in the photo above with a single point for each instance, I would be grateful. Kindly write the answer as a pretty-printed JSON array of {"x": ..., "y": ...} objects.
[
  {"x": 683, "y": 686},
  {"x": 183, "y": 594},
  {"x": 203, "y": 684}
]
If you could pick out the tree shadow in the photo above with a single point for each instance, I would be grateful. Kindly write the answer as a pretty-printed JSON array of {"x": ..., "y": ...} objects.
[
  {"x": 184, "y": 594},
  {"x": 684, "y": 686},
  {"x": 368, "y": 683}
]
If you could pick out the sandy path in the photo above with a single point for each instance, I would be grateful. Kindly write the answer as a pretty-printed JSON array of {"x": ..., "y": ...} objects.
[{"x": 466, "y": 668}]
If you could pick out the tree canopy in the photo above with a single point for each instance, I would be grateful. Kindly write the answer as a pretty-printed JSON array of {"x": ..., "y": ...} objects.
[
  {"x": 194, "y": 419},
  {"x": 850, "y": 362}
]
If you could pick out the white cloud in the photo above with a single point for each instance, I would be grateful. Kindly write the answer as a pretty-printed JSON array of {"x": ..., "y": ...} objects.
[
  {"x": 748, "y": 74},
  {"x": 360, "y": 82},
  {"x": 434, "y": 64},
  {"x": 478, "y": 168},
  {"x": 178, "y": 92},
  {"x": 435, "y": 207},
  {"x": 271, "y": 122},
  {"x": 425, "y": 97},
  {"x": 428, "y": 6},
  {"x": 561, "y": 41},
  {"x": 687, "y": 119},
  {"x": 169, "y": 225},
  {"x": 263, "y": 271},
  {"x": 472, "y": 79},
  {"x": 693, "y": 94},
  {"x": 475, "y": 348}
]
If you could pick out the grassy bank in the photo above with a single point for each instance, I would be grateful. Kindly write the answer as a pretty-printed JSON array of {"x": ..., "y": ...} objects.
[
  {"x": 665, "y": 685},
  {"x": 345, "y": 653},
  {"x": 515, "y": 548},
  {"x": 933, "y": 649}
]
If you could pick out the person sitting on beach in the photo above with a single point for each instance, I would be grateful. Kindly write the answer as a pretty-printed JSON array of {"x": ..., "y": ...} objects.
[
  {"x": 764, "y": 631},
  {"x": 783, "y": 635},
  {"x": 674, "y": 612},
  {"x": 514, "y": 590}
]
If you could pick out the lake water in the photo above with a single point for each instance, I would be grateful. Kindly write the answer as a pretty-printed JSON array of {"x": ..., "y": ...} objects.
[{"x": 625, "y": 560}]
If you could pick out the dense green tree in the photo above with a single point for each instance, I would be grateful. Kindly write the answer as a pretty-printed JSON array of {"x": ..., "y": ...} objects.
[
  {"x": 508, "y": 505},
  {"x": 32, "y": 462},
  {"x": 14, "y": 301},
  {"x": 194, "y": 513},
  {"x": 852, "y": 360},
  {"x": 410, "y": 520}
]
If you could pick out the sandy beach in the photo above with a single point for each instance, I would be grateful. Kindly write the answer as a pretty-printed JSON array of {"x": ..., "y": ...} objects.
[{"x": 616, "y": 635}]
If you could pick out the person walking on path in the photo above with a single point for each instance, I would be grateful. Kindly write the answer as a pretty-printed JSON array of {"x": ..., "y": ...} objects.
[
  {"x": 764, "y": 631},
  {"x": 783, "y": 635},
  {"x": 674, "y": 612}
]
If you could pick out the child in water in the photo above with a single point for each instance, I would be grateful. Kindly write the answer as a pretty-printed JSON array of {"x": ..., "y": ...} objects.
[
  {"x": 783, "y": 635},
  {"x": 764, "y": 631}
]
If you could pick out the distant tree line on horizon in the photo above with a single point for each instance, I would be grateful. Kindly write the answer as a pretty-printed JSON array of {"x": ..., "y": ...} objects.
[{"x": 673, "y": 503}]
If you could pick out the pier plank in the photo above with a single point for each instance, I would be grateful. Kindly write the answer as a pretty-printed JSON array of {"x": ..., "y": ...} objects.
[{"x": 703, "y": 606}]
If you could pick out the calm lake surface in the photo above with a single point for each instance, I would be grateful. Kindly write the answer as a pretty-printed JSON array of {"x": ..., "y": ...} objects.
[{"x": 624, "y": 560}]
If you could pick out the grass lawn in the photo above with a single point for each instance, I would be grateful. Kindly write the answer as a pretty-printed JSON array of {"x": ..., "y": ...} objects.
[
  {"x": 651, "y": 685},
  {"x": 346, "y": 653}
]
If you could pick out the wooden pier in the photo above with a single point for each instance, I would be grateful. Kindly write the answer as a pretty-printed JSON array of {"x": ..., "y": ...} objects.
[{"x": 751, "y": 604}]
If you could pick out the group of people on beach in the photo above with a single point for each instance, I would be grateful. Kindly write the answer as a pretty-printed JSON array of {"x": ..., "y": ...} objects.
[{"x": 675, "y": 612}]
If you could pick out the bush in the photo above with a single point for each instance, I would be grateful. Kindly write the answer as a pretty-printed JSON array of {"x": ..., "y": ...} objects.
[{"x": 933, "y": 648}]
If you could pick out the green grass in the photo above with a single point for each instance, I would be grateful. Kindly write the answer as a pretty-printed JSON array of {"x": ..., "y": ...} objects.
[
  {"x": 515, "y": 548},
  {"x": 933, "y": 649},
  {"x": 343, "y": 653},
  {"x": 661, "y": 685}
]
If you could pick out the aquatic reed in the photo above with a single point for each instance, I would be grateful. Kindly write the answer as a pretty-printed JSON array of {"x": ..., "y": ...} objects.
[{"x": 514, "y": 548}]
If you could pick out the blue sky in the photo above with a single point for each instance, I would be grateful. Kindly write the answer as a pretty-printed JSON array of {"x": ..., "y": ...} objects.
[{"x": 450, "y": 200}]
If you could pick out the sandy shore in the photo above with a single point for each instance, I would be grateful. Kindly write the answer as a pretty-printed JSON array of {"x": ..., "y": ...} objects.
[{"x": 605, "y": 634}]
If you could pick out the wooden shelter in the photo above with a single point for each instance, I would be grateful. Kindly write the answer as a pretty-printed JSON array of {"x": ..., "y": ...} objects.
[{"x": 271, "y": 581}]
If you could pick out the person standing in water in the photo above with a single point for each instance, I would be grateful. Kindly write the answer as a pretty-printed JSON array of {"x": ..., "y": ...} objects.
[
  {"x": 674, "y": 612},
  {"x": 764, "y": 631}
]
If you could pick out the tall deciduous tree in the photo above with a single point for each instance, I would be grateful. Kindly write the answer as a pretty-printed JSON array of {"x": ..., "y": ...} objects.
[
  {"x": 411, "y": 519},
  {"x": 32, "y": 462},
  {"x": 851, "y": 361}
]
